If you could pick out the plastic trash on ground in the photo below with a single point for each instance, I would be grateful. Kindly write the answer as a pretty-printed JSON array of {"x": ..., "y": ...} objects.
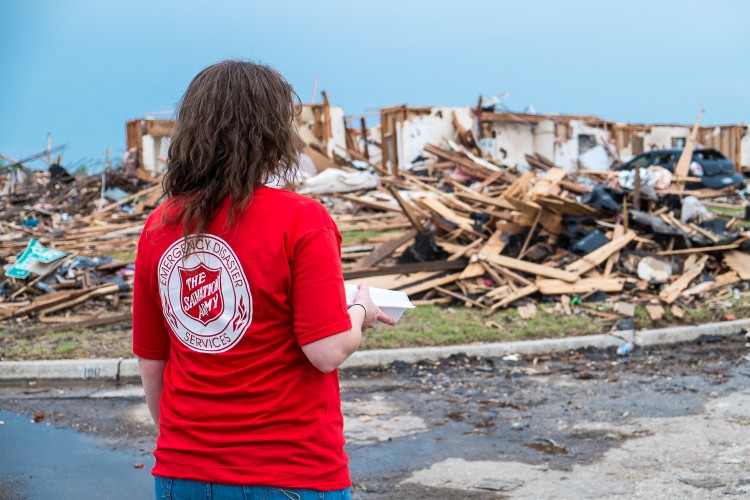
[{"x": 334, "y": 180}]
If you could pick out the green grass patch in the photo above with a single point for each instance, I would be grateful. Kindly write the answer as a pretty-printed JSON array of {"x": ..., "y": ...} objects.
[
  {"x": 356, "y": 237},
  {"x": 696, "y": 314},
  {"x": 436, "y": 326},
  {"x": 125, "y": 256},
  {"x": 420, "y": 327},
  {"x": 727, "y": 213}
]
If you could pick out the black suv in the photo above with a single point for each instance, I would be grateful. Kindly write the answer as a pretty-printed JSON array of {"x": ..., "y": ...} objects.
[{"x": 715, "y": 170}]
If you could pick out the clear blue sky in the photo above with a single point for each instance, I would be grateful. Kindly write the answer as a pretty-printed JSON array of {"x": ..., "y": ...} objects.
[{"x": 81, "y": 68}]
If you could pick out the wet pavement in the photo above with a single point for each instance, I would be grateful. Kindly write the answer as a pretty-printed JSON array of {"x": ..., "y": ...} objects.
[
  {"x": 666, "y": 422},
  {"x": 43, "y": 461}
]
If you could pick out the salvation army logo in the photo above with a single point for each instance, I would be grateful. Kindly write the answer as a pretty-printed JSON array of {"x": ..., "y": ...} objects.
[
  {"x": 200, "y": 294},
  {"x": 205, "y": 297}
]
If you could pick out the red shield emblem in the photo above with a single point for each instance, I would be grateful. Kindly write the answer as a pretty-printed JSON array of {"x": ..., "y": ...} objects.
[{"x": 201, "y": 297}]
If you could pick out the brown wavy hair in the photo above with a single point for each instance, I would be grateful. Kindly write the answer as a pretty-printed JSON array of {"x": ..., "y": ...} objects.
[{"x": 235, "y": 131}]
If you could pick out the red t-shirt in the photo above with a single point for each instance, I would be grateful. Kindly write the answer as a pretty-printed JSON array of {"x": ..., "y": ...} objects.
[{"x": 241, "y": 403}]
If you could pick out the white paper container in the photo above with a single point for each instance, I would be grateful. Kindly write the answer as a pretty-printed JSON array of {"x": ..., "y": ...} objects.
[{"x": 391, "y": 302}]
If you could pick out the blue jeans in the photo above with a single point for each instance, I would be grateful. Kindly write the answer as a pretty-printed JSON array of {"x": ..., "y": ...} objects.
[{"x": 185, "y": 489}]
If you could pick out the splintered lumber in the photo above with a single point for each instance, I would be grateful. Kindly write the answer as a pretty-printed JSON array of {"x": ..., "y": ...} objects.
[
  {"x": 369, "y": 203},
  {"x": 465, "y": 162},
  {"x": 386, "y": 249},
  {"x": 705, "y": 232},
  {"x": 529, "y": 267},
  {"x": 558, "y": 287},
  {"x": 58, "y": 301},
  {"x": 618, "y": 232},
  {"x": 593, "y": 259},
  {"x": 739, "y": 262},
  {"x": 98, "y": 291},
  {"x": 518, "y": 294},
  {"x": 458, "y": 296},
  {"x": 87, "y": 321},
  {"x": 471, "y": 195},
  {"x": 683, "y": 164},
  {"x": 549, "y": 184},
  {"x": 434, "y": 265},
  {"x": 670, "y": 293},
  {"x": 447, "y": 214},
  {"x": 717, "y": 248},
  {"x": 493, "y": 246},
  {"x": 127, "y": 199},
  {"x": 409, "y": 211},
  {"x": 428, "y": 285},
  {"x": 463, "y": 251},
  {"x": 396, "y": 281}
]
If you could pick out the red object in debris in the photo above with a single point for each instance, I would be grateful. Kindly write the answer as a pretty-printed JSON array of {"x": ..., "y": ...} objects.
[
  {"x": 39, "y": 416},
  {"x": 730, "y": 317}
]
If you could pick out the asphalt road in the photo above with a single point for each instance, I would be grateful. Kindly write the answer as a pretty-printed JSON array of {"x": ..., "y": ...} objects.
[{"x": 667, "y": 422}]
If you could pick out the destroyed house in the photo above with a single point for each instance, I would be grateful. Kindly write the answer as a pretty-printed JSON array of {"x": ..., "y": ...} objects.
[
  {"x": 592, "y": 143},
  {"x": 321, "y": 127}
]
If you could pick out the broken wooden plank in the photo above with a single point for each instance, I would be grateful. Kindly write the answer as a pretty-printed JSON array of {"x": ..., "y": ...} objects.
[
  {"x": 460, "y": 297},
  {"x": 529, "y": 267},
  {"x": 593, "y": 259},
  {"x": 434, "y": 265},
  {"x": 494, "y": 246},
  {"x": 558, "y": 287},
  {"x": 695, "y": 250},
  {"x": 446, "y": 213},
  {"x": 705, "y": 232},
  {"x": 519, "y": 294},
  {"x": 395, "y": 281},
  {"x": 369, "y": 203},
  {"x": 408, "y": 210},
  {"x": 617, "y": 233},
  {"x": 386, "y": 249},
  {"x": 427, "y": 285},
  {"x": 670, "y": 293},
  {"x": 738, "y": 262},
  {"x": 683, "y": 164}
]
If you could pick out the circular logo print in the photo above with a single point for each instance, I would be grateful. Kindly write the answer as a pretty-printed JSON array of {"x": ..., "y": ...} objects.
[{"x": 205, "y": 297}]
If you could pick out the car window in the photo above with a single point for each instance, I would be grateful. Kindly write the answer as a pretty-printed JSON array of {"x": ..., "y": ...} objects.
[
  {"x": 708, "y": 154},
  {"x": 663, "y": 159},
  {"x": 642, "y": 161}
]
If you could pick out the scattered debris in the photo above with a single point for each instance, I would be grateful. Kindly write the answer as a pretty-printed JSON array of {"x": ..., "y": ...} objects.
[{"x": 448, "y": 218}]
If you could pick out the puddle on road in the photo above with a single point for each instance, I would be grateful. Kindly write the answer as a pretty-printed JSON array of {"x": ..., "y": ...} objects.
[
  {"x": 548, "y": 447},
  {"x": 42, "y": 461}
]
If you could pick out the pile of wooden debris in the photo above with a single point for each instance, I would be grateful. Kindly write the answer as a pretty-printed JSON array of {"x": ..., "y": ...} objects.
[
  {"x": 455, "y": 228},
  {"x": 65, "y": 243},
  {"x": 461, "y": 229}
]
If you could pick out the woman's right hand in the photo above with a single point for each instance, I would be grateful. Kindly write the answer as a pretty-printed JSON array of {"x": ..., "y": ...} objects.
[{"x": 373, "y": 313}]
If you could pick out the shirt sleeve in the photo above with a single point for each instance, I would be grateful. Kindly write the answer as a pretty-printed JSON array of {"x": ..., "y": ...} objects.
[
  {"x": 318, "y": 297},
  {"x": 150, "y": 334}
]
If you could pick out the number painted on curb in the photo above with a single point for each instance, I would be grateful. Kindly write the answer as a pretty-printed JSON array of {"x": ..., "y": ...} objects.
[{"x": 91, "y": 372}]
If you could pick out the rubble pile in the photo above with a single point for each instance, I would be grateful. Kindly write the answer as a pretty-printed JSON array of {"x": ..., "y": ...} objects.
[
  {"x": 69, "y": 244},
  {"x": 491, "y": 236},
  {"x": 438, "y": 215}
]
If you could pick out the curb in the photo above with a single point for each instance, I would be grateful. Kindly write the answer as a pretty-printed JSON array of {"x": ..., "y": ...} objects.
[{"x": 120, "y": 370}]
